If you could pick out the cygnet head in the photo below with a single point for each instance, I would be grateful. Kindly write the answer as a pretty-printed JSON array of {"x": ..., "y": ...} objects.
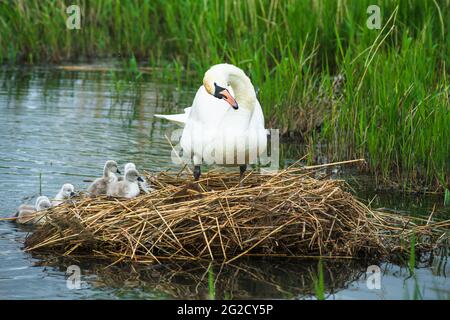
[
  {"x": 132, "y": 176},
  {"x": 111, "y": 166},
  {"x": 129, "y": 166},
  {"x": 217, "y": 83},
  {"x": 39, "y": 199},
  {"x": 67, "y": 190},
  {"x": 43, "y": 203}
]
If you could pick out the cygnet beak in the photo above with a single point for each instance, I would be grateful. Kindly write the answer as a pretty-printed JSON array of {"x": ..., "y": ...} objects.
[{"x": 140, "y": 179}]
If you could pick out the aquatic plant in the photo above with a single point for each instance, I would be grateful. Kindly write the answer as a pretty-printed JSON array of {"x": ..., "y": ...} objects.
[
  {"x": 319, "y": 283},
  {"x": 412, "y": 254},
  {"x": 211, "y": 284}
]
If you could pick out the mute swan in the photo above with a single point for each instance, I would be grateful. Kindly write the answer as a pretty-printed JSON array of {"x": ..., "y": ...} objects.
[
  {"x": 67, "y": 191},
  {"x": 127, "y": 188},
  {"x": 225, "y": 120},
  {"x": 29, "y": 216},
  {"x": 143, "y": 185},
  {"x": 100, "y": 185}
]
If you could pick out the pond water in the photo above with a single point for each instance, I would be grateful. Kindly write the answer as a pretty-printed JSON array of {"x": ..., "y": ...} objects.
[{"x": 59, "y": 125}]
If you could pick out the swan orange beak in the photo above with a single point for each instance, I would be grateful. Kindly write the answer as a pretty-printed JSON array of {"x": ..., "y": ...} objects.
[{"x": 229, "y": 98}]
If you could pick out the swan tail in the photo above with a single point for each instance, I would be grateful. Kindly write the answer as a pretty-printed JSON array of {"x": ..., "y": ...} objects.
[{"x": 177, "y": 118}]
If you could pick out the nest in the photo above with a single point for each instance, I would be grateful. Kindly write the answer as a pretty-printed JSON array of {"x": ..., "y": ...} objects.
[{"x": 289, "y": 213}]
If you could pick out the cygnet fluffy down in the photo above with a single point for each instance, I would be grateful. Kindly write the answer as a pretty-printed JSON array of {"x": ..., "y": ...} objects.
[
  {"x": 100, "y": 185},
  {"x": 127, "y": 188}
]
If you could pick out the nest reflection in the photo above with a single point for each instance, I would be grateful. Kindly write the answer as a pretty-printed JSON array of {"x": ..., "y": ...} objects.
[{"x": 247, "y": 278}]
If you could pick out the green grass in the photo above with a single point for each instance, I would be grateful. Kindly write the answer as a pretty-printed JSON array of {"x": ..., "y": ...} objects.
[{"x": 392, "y": 109}]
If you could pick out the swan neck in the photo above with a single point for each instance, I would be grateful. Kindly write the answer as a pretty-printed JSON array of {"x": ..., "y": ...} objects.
[
  {"x": 243, "y": 88},
  {"x": 106, "y": 172}
]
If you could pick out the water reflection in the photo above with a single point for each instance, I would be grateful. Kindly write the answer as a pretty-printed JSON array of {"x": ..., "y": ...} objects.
[
  {"x": 249, "y": 278},
  {"x": 254, "y": 278}
]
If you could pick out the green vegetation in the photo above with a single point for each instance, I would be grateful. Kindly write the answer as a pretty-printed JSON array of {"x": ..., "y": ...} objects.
[
  {"x": 319, "y": 285},
  {"x": 417, "y": 295},
  {"x": 391, "y": 108},
  {"x": 211, "y": 283},
  {"x": 412, "y": 254}
]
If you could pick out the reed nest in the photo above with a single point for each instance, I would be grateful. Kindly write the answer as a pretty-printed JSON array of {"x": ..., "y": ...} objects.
[{"x": 289, "y": 213}]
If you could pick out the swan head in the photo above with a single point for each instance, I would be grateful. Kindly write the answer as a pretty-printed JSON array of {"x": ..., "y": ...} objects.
[
  {"x": 111, "y": 166},
  {"x": 129, "y": 166},
  {"x": 67, "y": 190},
  {"x": 132, "y": 176},
  {"x": 216, "y": 82},
  {"x": 43, "y": 203}
]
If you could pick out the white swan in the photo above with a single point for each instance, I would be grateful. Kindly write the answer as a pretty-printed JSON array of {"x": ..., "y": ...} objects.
[
  {"x": 100, "y": 185},
  {"x": 66, "y": 191},
  {"x": 127, "y": 188},
  {"x": 225, "y": 124},
  {"x": 28, "y": 215}
]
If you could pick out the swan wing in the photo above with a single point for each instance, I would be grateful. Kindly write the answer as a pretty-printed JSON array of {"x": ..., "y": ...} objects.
[
  {"x": 204, "y": 121},
  {"x": 257, "y": 119}
]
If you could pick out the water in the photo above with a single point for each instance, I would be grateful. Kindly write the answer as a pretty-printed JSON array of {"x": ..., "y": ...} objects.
[{"x": 60, "y": 126}]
